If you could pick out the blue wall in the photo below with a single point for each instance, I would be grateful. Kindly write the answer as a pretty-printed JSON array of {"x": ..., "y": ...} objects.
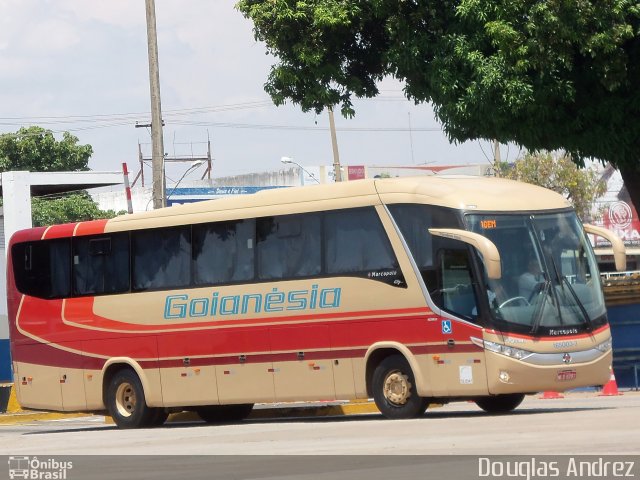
[
  {"x": 5, "y": 361},
  {"x": 625, "y": 330}
]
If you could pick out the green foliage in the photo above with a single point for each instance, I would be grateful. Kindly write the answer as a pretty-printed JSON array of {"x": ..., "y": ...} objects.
[
  {"x": 36, "y": 149},
  {"x": 558, "y": 173},
  {"x": 75, "y": 207},
  {"x": 546, "y": 75}
]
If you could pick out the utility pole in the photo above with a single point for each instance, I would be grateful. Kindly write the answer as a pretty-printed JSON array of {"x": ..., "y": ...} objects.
[
  {"x": 497, "y": 160},
  {"x": 157, "y": 155},
  {"x": 334, "y": 144}
]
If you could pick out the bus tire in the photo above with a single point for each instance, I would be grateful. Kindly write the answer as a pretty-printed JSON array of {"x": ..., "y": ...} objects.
[
  {"x": 126, "y": 402},
  {"x": 394, "y": 389},
  {"x": 500, "y": 403},
  {"x": 224, "y": 413}
]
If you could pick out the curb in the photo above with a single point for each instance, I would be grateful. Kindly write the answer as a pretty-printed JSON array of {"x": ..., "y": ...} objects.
[
  {"x": 13, "y": 405},
  {"x": 288, "y": 410},
  {"x": 28, "y": 416},
  {"x": 15, "y": 415}
]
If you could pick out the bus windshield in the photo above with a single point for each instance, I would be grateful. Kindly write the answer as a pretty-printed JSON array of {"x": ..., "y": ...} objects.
[{"x": 550, "y": 283}]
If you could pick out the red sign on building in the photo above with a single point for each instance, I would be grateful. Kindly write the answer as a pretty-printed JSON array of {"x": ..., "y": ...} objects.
[
  {"x": 621, "y": 218},
  {"x": 355, "y": 172}
]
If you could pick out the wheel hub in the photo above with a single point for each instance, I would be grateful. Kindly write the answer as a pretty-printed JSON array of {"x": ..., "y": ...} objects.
[
  {"x": 126, "y": 399},
  {"x": 397, "y": 388}
]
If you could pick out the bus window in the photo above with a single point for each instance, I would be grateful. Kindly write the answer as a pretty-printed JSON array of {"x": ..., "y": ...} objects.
[
  {"x": 43, "y": 269},
  {"x": 289, "y": 246},
  {"x": 223, "y": 252},
  {"x": 161, "y": 258},
  {"x": 444, "y": 264},
  {"x": 101, "y": 264},
  {"x": 356, "y": 242},
  {"x": 456, "y": 293}
]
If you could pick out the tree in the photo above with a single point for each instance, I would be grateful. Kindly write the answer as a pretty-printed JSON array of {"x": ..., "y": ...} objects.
[
  {"x": 75, "y": 207},
  {"x": 558, "y": 173},
  {"x": 36, "y": 149},
  {"x": 555, "y": 75}
]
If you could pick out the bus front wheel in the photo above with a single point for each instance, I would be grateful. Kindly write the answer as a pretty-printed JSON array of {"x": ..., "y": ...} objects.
[
  {"x": 394, "y": 389},
  {"x": 126, "y": 402},
  {"x": 500, "y": 403}
]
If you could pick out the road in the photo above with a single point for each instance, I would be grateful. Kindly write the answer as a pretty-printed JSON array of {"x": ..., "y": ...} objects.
[{"x": 581, "y": 423}]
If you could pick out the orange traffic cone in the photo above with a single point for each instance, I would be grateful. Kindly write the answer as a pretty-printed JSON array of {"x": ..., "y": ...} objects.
[
  {"x": 610, "y": 389},
  {"x": 551, "y": 395}
]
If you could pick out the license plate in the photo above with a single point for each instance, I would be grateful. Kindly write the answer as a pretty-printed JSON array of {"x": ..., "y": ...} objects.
[{"x": 566, "y": 375}]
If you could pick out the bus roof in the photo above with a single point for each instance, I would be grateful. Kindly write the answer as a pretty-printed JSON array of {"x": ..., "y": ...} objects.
[
  {"x": 486, "y": 194},
  {"x": 459, "y": 192}
]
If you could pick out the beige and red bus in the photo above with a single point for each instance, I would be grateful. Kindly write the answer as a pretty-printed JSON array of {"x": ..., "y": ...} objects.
[{"x": 407, "y": 290}]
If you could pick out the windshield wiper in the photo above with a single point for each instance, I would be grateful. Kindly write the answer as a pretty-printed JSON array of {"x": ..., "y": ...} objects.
[
  {"x": 537, "y": 314},
  {"x": 583, "y": 310},
  {"x": 562, "y": 280}
]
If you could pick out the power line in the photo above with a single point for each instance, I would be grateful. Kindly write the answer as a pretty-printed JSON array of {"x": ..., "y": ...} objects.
[
  {"x": 134, "y": 115},
  {"x": 80, "y": 123}
]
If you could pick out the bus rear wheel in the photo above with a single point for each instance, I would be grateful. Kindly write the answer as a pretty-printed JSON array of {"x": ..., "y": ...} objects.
[
  {"x": 394, "y": 389},
  {"x": 126, "y": 402},
  {"x": 224, "y": 413},
  {"x": 500, "y": 403}
]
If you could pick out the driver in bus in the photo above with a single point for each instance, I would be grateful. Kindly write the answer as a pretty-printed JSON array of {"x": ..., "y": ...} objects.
[{"x": 529, "y": 279}]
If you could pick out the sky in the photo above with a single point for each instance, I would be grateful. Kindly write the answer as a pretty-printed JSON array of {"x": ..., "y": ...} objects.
[{"x": 82, "y": 66}]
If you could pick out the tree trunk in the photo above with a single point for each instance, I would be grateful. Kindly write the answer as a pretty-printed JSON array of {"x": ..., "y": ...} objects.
[{"x": 631, "y": 177}]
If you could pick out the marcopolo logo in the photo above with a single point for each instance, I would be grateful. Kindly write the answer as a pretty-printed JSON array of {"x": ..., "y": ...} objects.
[
  {"x": 38, "y": 469},
  {"x": 185, "y": 306}
]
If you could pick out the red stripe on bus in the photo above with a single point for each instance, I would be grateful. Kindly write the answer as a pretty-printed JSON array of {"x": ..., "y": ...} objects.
[
  {"x": 59, "y": 231},
  {"x": 94, "y": 227},
  {"x": 29, "y": 235},
  {"x": 338, "y": 333},
  {"x": 80, "y": 310}
]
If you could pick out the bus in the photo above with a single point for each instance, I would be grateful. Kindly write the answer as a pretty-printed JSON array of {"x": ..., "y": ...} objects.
[{"x": 405, "y": 290}]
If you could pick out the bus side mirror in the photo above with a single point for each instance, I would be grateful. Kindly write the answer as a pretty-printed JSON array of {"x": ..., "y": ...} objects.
[
  {"x": 488, "y": 249},
  {"x": 619, "y": 251}
]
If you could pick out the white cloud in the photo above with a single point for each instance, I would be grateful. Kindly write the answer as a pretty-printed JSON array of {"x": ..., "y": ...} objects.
[
  {"x": 49, "y": 35},
  {"x": 81, "y": 57},
  {"x": 119, "y": 13}
]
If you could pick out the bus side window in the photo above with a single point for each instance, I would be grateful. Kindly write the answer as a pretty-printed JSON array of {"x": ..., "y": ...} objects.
[
  {"x": 356, "y": 242},
  {"x": 289, "y": 246},
  {"x": 161, "y": 258},
  {"x": 223, "y": 252},
  {"x": 101, "y": 264},
  {"x": 43, "y": 269}
]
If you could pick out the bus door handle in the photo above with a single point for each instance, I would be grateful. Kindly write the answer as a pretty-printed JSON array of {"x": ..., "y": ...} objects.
[{"x": 451, "y": 343}]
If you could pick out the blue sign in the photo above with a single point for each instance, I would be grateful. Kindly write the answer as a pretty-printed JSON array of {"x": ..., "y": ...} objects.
[
  {"x": 179, "y": 196},
  {"x": 447, "y": 328}
]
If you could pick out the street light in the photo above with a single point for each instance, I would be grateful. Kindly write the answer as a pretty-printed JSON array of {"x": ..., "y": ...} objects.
[
  {"x": 288, "y": 160},
  {"x": 193, "y": 166}
]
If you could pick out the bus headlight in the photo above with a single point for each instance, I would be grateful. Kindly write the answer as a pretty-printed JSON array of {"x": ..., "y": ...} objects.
[
  {"x": 511, "y": 352},
  {"x": 605, "y": 346}
]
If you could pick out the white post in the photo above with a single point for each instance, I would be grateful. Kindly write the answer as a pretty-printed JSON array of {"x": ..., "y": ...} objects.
[{"x": 16, "y": 193}]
